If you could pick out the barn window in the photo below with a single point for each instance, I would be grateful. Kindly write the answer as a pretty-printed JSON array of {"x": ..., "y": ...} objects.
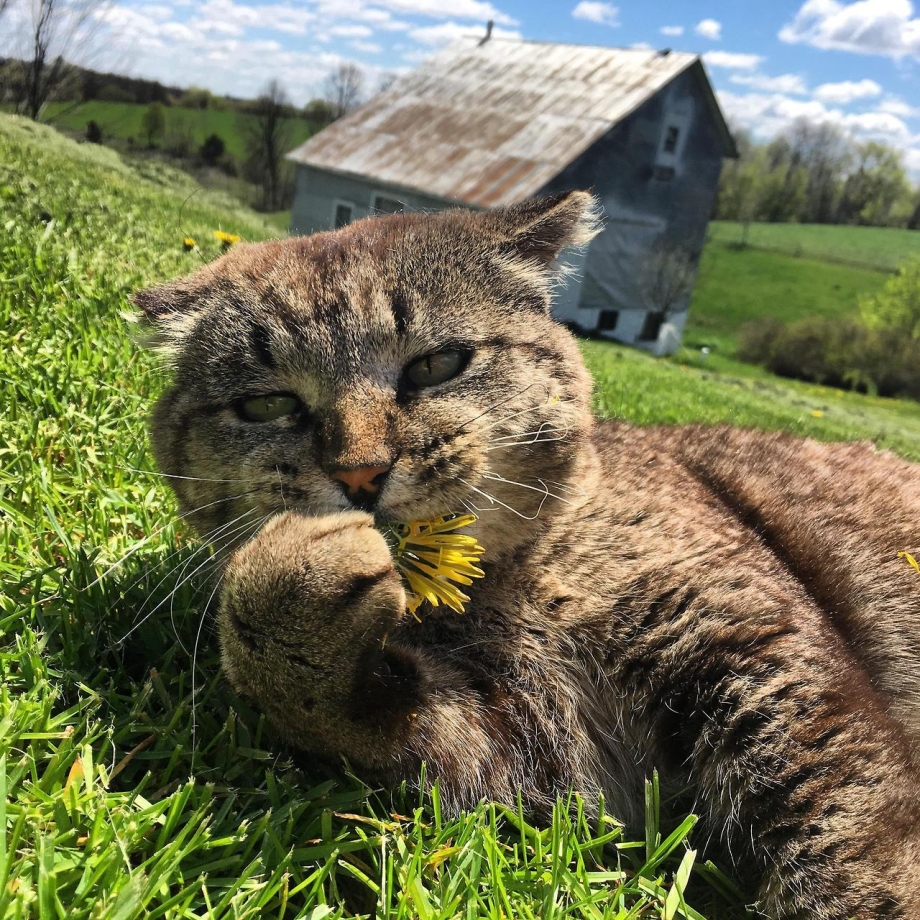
[
  {"x": 675, "y": 126},
  {"x": 651, "y": 327},
  {"x": 342, "y": 213},
  {"x": 672, "y": 133},
  {"x": 607, "y": 321},
  {"x": 383, "y": 204}
]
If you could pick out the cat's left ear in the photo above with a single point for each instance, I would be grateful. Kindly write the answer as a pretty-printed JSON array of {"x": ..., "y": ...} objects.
[
  {"x": 168, "y": 313},
  {"x": 539, "y": 229}
]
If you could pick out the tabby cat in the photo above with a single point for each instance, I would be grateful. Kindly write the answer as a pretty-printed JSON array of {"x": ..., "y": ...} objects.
[{"x": 724, "y": 606}]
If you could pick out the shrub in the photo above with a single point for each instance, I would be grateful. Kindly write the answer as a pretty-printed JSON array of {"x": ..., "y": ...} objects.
[
  {"x": 93, "y": 132},
  {"x": 212, "y": 149},
  {"x": 897, "y": 304},
  {"x": 838, "y": 353}
]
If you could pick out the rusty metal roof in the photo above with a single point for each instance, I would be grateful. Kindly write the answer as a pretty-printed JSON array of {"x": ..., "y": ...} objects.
[{"x": 492, "y": 123}]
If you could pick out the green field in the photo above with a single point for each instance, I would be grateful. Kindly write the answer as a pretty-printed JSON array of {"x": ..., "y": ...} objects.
[
  {"x": 135, "y": 784},
  {"x": 735, "y": 286},
  {"x": 877, "y": 247},
  {"x": 123, "y": 120}
]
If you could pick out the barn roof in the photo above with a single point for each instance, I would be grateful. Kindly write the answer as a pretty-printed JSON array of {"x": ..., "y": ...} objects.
[{"x": 491, "y": 123}]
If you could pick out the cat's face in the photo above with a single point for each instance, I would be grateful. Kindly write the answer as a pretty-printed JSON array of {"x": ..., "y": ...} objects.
[{"x": 405, "y": 365}]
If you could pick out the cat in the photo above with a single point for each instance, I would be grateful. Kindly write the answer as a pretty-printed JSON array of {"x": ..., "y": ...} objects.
[{"x": 724, "y": 606}]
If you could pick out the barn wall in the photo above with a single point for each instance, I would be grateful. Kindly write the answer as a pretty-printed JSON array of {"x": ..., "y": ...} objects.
[
  {"x": 640, "y": 207},
  {"x": 317, "y": 191}
]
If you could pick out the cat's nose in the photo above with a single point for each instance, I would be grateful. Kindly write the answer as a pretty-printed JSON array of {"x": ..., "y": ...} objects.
[{"x": 362, "y": 483}]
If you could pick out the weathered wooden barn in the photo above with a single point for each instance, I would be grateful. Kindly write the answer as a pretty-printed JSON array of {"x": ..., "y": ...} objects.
[{"x": 486, "y": 123}]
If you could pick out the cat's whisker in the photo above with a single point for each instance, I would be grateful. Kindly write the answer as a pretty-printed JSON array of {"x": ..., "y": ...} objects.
[
  {"x": 131, "y": 469},
  {"x": 495, "y": 406},
  {"x": 497, "y": 501},
  {"x": 495, "y": 477},
  {"x": 204, "y": 617},
  {"x": 514, "y": 415},
  {"x": 156, "y": 533},
  {"x": 226, "y": 540},
  {"x": 543, "y": 429}
]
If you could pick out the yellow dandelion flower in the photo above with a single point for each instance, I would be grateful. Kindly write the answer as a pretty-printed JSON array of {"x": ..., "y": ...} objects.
[
  {"x": 226, "y": 239},
  {"x": 433, "y": 560},
  {"x": 817, "y": 413},
  {"x": 189, "y": 243},
  {"x": 910, "y": 560}
]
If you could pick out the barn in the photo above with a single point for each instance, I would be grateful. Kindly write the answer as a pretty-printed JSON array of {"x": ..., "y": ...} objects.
[{"x": 490, "y": 122}]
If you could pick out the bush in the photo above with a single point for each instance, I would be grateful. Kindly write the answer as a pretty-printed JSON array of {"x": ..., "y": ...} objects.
[
  {"x": 838, "y": 353},
  {"x": 93, "y": 132},
  {"x": 897, "y": 304},
  {"x": 212, "y": 149}
]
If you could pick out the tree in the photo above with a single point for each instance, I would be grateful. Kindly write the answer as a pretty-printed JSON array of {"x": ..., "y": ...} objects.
[
  {"x": 212, "y": 149},
  {"x": 56, "y": 27},
  {"x": 319, "y": 113},
  {"x": 897, "y": 304},
  {"x": 825, "y": 152},
  {"x": 269, "y": 137},
  {"x": 666, "y": 275},
  {"x": 343, "y": 88},
  {"x": 872, "y": 189},
  {"x": 93, "y": 132},
  {"x": 153, "y": 122}
]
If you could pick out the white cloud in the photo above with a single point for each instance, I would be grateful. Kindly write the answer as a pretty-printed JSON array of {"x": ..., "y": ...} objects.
[
  {"x": 671, "y": 30},
  {"x": 642, "y": 46},
  {"x": 606, "y": 14},
  {"x": 351, "y": 31},
  {"x": 366, "y": 47},
  {"x": 788, "y": 83},
  {"x": 844, "y": 93},
  {"x": 895, "y": 106},
  {"x": 768, "y": 114},
  {"x": 732, "y": 60},
  {"x": 709, "y": 28},
  {"x": 886, "y": 27},
  {"x": 438, "y": 9},
  {"x": 449, "y": 32}
]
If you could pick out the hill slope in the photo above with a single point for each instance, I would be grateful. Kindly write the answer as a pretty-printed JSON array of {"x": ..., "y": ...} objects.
[{"x": 135, "y": 783}]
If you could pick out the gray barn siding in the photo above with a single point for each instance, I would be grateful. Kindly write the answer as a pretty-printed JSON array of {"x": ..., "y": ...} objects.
[
  {"x": 638, "y": 207},
  {"x": 316, "y": 191}
]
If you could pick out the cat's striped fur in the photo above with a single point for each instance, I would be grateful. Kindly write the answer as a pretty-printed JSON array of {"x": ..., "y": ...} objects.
[{"x": 725, "y": 606}]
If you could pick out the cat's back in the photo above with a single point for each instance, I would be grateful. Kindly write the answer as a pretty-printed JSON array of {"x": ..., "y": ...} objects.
[{"x": 832, "y": 518}]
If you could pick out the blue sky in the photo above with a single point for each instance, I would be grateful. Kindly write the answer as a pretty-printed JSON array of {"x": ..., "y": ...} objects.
[{"x": 854, "y": 63}]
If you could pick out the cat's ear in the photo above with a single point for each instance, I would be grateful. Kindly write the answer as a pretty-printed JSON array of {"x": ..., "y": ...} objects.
[
  {"x": 168, "y": 314},
  {"x": 539, "y": 229}
]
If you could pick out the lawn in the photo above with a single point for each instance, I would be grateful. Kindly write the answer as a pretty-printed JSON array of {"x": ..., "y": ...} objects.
[
  {"x": 123, "y": 120},
  {"x": 735, "y": 286},
  {"x": 875, "y": 247},
  {"x": 134, "y": 782}
]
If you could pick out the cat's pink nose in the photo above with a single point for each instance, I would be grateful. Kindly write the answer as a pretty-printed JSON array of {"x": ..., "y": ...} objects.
[{"x": 362, "y": 479}]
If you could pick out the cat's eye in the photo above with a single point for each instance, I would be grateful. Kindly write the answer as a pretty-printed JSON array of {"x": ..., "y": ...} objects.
[
  {"x": 437, "y": 367},
  {"x": 268, "y": 408}
]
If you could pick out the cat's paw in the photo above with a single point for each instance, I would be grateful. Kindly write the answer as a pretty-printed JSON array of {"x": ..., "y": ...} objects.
[{"x": 306, "y": 610}]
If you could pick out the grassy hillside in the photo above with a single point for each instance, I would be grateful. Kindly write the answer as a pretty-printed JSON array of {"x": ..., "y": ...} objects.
[
  {"x": 735, "y": 286},
  {"x": 122, "y": 120},
  {"x": 134, "y": 782},
  {"x": 878, "y": 247}
]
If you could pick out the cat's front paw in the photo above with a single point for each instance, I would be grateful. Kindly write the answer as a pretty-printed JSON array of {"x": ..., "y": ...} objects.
[{"x": 306, "y": 610}]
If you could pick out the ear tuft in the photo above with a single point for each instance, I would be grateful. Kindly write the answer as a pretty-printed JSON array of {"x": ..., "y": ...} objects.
[
  {"x": 170, "y": 313},
  {"x": 540, "y": 229}
]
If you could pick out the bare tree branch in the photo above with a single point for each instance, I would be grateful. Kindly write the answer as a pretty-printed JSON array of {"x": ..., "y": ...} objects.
[
  {"x": 343, "y": 88},
  {"x": 665, "y": 276},
  {"x": 269, "y": 138}
]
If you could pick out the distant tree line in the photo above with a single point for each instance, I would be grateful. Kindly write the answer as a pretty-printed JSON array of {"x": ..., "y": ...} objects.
[{"x": 815, "y": 173}]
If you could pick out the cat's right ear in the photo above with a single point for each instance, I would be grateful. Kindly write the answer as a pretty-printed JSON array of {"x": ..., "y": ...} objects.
[
  {"x": 168, "y": 314},
  {"x": 539, "y": 229}
]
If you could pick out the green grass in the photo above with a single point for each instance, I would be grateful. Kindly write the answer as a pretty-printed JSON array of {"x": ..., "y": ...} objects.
[
  {"x": 134, "y": 783},
  {"x": 735, "y": 286},
  {"x": 122, "y": 120},
  {"x": 878, "y": 247}
]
